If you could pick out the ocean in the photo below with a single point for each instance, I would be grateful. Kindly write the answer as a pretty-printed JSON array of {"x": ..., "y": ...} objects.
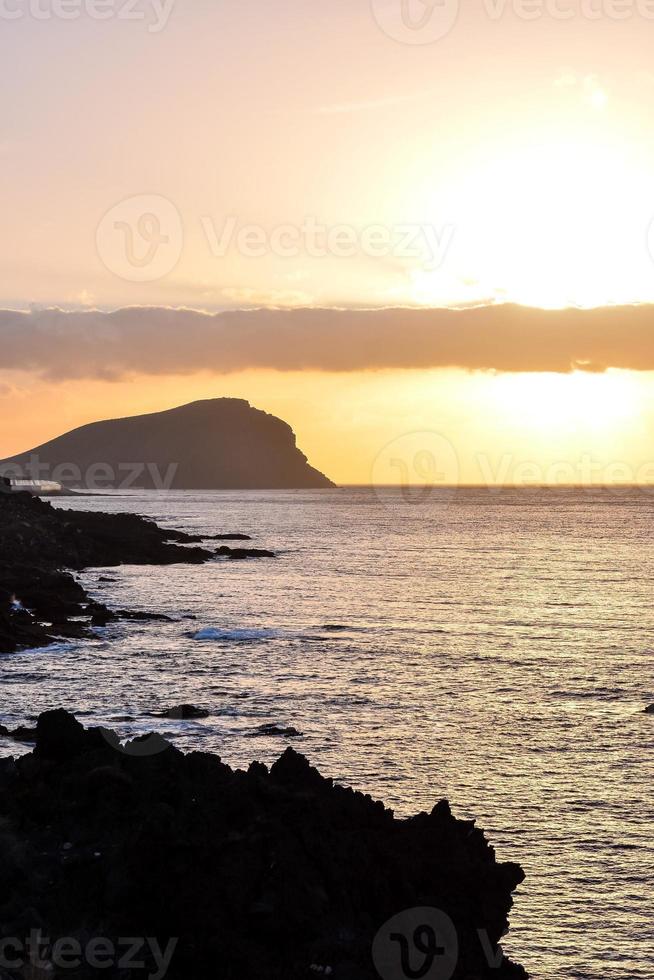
[{"x": 491, "y": 648}]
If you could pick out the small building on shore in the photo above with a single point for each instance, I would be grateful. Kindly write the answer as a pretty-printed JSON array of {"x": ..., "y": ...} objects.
[{"x": 39, "y": 488}]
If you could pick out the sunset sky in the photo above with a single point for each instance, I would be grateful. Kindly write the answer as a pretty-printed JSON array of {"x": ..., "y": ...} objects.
[{"x": 215, "y": 156}]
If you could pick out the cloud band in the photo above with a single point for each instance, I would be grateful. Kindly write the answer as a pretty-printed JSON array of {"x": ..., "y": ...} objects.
[{"x": 60, "y": 345}]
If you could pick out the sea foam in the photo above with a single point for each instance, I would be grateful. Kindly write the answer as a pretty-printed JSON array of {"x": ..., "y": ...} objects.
[{"x": 243, "y": 635}]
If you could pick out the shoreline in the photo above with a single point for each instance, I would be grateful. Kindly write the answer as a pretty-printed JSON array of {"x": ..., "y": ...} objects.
[
  {"x": 324, "y": 875},
  {"x": 270, "y": 873},
  {"x": 41, "y": 602}
]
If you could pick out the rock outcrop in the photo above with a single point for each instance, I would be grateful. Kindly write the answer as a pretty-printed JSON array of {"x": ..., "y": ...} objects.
[
  {"x": 39, "y": 602},
  {"x": 221, "y": 443},
  {"x": 270, "y": 874}
]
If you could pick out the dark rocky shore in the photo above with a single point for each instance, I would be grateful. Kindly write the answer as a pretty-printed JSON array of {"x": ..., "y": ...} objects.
[
  {"x": 40, "y": 602},
  {"x": 139, "y": 861},
  {"x": 236, "y": 875}
]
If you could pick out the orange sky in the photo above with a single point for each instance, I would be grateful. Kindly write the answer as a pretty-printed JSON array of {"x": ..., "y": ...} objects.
[
  {"x": 218, "y": 156},
  {"x": 500, "y": 429}
]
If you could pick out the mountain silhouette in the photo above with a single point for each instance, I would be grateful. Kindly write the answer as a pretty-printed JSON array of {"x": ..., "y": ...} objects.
[{"x": 220, "y": 443}]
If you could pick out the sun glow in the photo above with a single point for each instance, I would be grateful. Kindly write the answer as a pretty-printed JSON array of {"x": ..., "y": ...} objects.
[
  {"x": 550, "y": 223},
  {"x": 576, "y": 402}
]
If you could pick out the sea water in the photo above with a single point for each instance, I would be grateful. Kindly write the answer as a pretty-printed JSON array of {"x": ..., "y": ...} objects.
[{"x": 494, "y": 649}]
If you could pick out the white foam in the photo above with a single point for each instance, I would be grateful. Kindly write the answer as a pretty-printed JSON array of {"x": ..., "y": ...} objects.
[{"x": 212, "y": 633}]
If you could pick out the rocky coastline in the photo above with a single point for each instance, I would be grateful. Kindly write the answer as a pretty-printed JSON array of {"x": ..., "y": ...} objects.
[
  {"x": 140, "y": 861},
  {"x": 271, "y": 874},
  {"x": 40, "y": 546}
]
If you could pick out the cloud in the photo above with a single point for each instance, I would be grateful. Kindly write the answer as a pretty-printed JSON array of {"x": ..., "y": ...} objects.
[{"x": 59, "y": 345}]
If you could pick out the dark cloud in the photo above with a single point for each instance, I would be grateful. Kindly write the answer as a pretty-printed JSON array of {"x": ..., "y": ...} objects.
[{"x": 63, "y": 345}]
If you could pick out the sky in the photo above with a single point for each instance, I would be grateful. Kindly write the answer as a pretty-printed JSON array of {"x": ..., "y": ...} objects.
[{"x": 347, "y": 174}]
